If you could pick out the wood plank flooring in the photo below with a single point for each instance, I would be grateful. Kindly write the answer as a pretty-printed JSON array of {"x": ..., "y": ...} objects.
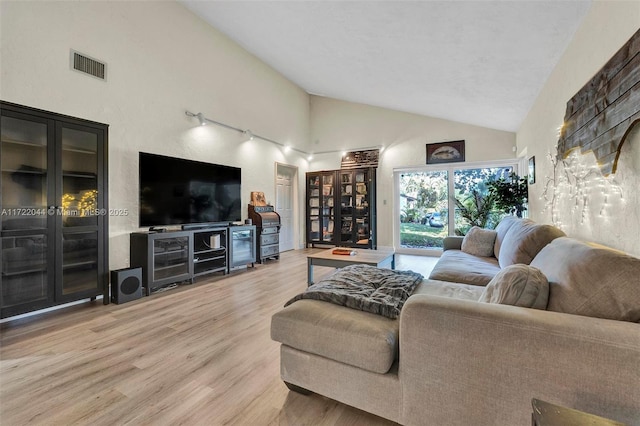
[{"x": 196, "y": 355}]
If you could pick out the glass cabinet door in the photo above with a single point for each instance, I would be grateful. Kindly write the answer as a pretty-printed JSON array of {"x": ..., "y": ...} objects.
[
  {"x": 24, "y": 159},
  {"x": 80, "y": 209},
  {"x": 347, "y": 197},
  {"x": 362, "y": 208},
  {"x": 328, "y": 212},
  {"x": 313, "y": 199},
  {"x": 243, "y": 248},
  {"x": 170, "y": 257},
  {"x": 321, "y": 205}
]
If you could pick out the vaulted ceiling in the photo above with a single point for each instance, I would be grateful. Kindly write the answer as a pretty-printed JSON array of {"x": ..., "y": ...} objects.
[{"x": 477, "y": 62}]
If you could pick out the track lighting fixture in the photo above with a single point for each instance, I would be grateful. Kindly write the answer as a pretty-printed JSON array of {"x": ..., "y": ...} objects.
[{"x": 249, "y": 136}]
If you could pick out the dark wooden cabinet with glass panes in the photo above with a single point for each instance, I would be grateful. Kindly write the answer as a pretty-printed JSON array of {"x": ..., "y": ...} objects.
[
  {"x": 341, "y": 208},
  {"x": 54, "y": 209}
]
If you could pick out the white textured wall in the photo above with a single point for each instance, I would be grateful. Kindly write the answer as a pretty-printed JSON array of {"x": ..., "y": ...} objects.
[
  {"x": 606, "y": 27},
  {"x": 338, "y": 125},
  {"x": 161, "y": 60}
]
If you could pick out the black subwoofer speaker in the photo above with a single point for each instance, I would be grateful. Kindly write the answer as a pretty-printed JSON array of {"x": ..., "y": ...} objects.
[{"x": 126, "y": 285}]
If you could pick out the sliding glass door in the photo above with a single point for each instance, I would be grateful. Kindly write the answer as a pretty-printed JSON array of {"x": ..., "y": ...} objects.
[{"x": 434, "y": 202}]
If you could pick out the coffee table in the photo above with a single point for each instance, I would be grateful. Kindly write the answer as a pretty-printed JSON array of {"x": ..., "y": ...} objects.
[
  {"x": 547, "y": 414},
  {"x": 381, "y": 258}
]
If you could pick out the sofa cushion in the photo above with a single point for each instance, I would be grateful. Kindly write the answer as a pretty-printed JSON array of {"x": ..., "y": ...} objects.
[
  {"x": 591, "y": 280},
  {"x": 479, "y": 242},
  {"x": 357, "y": 338},
  {"x": 501, "y": 230},
  {"x": 460, "y": 267},
  {"x": 447, "y": 289},
  {"x": 518, "y": 285},
  {"x": 524, "y": 240}
]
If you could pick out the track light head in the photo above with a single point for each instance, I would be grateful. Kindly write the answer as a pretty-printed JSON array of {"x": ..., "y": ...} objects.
[
  {"x": 201, "y": 119},
  {"x": 247, "y": 133}
]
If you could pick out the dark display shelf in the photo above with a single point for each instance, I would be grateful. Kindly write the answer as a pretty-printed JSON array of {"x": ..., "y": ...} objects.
[
  {"x": 50, "y": 259},
  {"x": 341, "y": 208}
]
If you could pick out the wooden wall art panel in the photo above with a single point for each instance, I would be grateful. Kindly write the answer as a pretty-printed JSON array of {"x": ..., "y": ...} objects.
[
  {"x": 360, "y": 159},
  {"x": 600, "y": 116}
]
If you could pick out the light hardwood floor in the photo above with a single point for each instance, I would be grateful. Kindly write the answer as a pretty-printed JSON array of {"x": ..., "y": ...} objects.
[{"x": 196, "y": 355}]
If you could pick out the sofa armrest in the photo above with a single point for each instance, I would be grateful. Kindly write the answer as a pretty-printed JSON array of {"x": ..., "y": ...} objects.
[
  {"x": 452, "y": 243},
  {"x": 465, "y": 362}
]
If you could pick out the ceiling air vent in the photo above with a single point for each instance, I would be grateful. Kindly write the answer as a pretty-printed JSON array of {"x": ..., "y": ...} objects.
[{"x": 83, "y": 63}]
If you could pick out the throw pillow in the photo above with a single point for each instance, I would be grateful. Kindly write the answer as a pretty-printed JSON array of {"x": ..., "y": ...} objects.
[
  {"x": 479, "y": 242},
  {"x": 518, "y": 285}
]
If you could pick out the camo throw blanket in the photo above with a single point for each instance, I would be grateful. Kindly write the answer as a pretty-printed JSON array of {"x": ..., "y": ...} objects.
[{"x": 366, "y": 288}]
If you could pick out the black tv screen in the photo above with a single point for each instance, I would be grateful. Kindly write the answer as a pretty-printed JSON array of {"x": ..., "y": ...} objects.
[{"x": 174, "y": 191}]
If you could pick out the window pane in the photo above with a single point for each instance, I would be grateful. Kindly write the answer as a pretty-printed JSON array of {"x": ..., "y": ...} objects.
[
  {"x": 423, "y": 209},
  {"x": 474, "y": 206}
]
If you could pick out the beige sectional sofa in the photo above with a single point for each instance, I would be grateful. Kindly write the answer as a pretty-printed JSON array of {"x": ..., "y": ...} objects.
[
  {"x": 516, "y": 241},
  {"x": 452, "y": 360}
]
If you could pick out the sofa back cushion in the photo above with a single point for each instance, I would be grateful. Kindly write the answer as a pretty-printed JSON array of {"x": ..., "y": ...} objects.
[
  {"x": 501, "y": 230},
  {"x": 591, "y": 280},
  {"x": 518, "y": 285},
  {"x": 524, "y": 240}
]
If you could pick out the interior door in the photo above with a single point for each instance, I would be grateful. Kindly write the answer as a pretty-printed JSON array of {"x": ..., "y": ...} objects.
[{"x": 285, "y": 183}]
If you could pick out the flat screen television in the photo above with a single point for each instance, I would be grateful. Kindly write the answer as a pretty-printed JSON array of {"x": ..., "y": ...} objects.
[{"x": 175, "y": 191}]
